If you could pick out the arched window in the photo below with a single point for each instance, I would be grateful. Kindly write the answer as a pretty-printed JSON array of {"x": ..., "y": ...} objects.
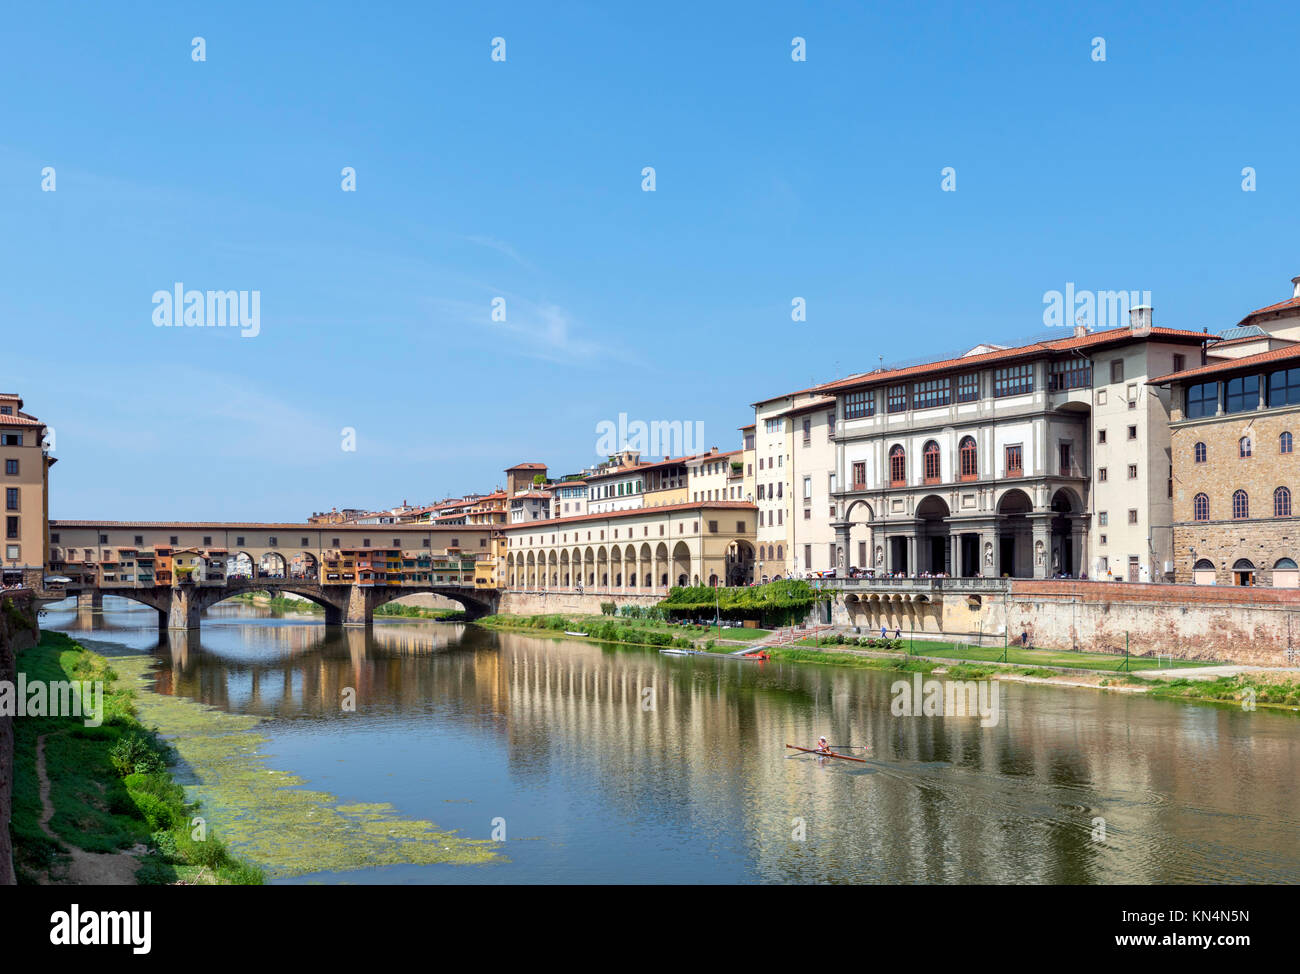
[
  {"x": 969, "y": 459},
  {"x": 1201, "y": 507},
  {"x": 1284, "y": 442},
  {"x": 897, "y": 466},
  {"x": 1240, "y": 504},
  {"x": 930, "y": 454},
  {"x": 1243, "y": 447},
  {"x": 1282, "y": 502},
  {"x": 1198, "y": 453},
  {"x": 780, "y": 552}
]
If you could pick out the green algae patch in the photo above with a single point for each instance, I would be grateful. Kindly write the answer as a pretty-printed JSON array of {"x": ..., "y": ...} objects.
[{"x": 266, "y": 816}]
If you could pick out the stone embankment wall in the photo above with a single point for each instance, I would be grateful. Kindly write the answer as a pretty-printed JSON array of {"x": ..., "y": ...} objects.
[
  {"x": 18, "y": 631},
  {"x": 566, "y": 603},
  {"x": 1241, "y": 625}
]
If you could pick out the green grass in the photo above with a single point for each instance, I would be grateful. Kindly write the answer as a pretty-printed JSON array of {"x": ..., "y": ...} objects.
[
  {"x": 108, "y": 785},
  {"x": 401, "y": 610},
  {"x": 1231, "y": 689},
  {"x": 1021, "y": 657},
  {"x": 646, "y": 632}
]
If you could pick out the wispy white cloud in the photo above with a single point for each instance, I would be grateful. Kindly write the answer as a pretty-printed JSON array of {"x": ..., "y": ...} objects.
[{"x": 542, "y": 331}]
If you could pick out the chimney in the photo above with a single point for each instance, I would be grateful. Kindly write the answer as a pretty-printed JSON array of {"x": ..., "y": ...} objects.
[
  {"x": 1295, "y": 287},
  {"x": 1140, "y": 319},
  {"x": 1080, "y": 331}
]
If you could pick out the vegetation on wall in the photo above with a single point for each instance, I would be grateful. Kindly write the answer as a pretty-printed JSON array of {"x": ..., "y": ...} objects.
[{"x": 779, "y": 603}]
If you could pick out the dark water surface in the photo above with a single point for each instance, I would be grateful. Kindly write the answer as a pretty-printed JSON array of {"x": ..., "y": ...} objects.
[{"x": 623, "y": 765}]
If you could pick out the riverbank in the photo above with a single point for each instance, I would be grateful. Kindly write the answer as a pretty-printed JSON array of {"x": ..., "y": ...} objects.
[
  {"x": 266, "y": 815},
  {"x": 626, "y": 631},
  {"x": 1258, "y": 688},
  {"x": 97, "y": 804},
  {"x": 278, "y": 603}
]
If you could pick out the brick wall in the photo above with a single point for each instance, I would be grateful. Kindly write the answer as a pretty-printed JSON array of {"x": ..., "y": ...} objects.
[{"x": 1261, "y": 538}]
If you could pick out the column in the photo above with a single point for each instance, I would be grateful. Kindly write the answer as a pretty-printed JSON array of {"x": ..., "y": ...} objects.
[
  {"x": 1041, "y": 549},
  {"x": 911, "y": 554}
]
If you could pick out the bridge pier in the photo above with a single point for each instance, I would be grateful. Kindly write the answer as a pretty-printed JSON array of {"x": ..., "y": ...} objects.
[
  {"x": 360, "y": 610},
  {"x": 94, "y": 599},
  {"x": 184, "y": 610}
]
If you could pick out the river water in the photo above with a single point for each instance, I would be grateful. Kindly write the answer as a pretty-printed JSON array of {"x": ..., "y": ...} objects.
[{"x": 614, "y": 764}]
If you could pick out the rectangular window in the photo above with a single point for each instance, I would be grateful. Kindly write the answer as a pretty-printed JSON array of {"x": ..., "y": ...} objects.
[
  {"x": 11, "y": 468},
  {"x": 807, "y": 488},
  {"x": 1117, "y": 370},
  {"x": 1015, "y": 461},
  {"x": 1103, "y": 518},
  {"x": 1102, "y": 474},
  {"x": 1064, "y": 449},
  {"x": 1132, "y": 516},
  {"x": 11, "y": 498},
  {"x": 11, "y": 527},
  {"x": 968, "y": 387},
  {"x": 11, "y": 439},
  {"x": 1013, "y": 380},
  {"x": 1180, "y": 362},
  {"x": 1101, "y": 436},
  {"x": 807, "y": 556},
  {"x": 1132, "y": 471},
  {"x": 1202, "y": 400},
  {"x": 935, "y": 392},
  {"x": 807, "y": 430},
  {"x": 1132, "y": 432},
  {"x": 896, "y": 399},
  {"x": 1241, "y": 394},
  {"x": 1284, "y": 387},
  {"x": 860, "y": 404},
  {"x": 860, "y": 475},
  {"x": 1069, "y": 373},
  {"x": 830, "y": 424}
]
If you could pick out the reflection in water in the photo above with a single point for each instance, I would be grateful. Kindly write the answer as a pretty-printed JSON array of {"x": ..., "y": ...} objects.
[{"x": 626, "y": 765}]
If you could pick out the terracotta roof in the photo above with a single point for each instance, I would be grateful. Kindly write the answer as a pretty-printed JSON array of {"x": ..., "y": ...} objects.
[
  {"x": 705, "y": 457},
  {"x": 527, "y": 466},
  {"x": 1231, "y": 365},
  {"x": 1092, "y": 340},
  {"x": 1286, "y": 305},
  {"x": 688, "y": 506},
  {"x": 22, "y": 419},
  {"x": 244, "y": 525}
]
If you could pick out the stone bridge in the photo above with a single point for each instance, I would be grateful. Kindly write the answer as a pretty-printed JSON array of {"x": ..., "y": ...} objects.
[{"x": 181, "y": 606}]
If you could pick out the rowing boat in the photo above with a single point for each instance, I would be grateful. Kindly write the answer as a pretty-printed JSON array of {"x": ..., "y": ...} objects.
[
  {"x": 570, "y": 632},
  {"x": 825, "y": 754}
]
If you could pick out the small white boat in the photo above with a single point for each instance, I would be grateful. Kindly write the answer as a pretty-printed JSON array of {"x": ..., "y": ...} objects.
[{"x": 570, "y": 632}]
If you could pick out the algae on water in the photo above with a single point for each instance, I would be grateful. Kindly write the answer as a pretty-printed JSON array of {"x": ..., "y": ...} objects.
[{"x": 265, "y": 816}]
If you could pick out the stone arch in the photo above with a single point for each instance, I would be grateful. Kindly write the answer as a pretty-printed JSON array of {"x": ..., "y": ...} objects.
[
  {"x": 933, "y": 537},
  {"x": 240, "y": 565},
  {"x": 740, "y": 562},
  {"x": 1014, "y": 555},
  {"x": 272, "y": 564},
  {"x": 681, "y": 567},
  {"x": 661, "y": 559},
  {"x": 304, "y": 567},
  {"x": 860, "y": 551}
]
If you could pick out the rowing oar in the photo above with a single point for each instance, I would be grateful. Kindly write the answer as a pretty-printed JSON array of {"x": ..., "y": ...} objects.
[{"x": 849, "y": 746}]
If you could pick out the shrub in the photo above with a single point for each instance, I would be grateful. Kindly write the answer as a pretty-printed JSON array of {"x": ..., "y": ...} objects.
[{"x": 135, "y": 754}]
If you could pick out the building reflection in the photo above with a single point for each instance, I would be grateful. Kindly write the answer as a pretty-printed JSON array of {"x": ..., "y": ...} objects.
[{"x": 700, "y": 743}]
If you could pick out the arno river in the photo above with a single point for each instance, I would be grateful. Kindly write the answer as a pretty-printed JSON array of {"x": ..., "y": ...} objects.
[{"x": 613, "y": 764}]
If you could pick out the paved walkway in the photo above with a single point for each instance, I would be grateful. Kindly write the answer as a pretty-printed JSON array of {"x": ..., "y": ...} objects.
[{"x": 1211, "y": 672}]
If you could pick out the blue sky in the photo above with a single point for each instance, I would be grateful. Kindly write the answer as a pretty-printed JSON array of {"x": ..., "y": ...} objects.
[{"x": 479, "y": 179}]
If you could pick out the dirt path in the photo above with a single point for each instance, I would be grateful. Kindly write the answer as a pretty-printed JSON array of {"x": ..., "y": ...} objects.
[{"x": 84, "y": 868}]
